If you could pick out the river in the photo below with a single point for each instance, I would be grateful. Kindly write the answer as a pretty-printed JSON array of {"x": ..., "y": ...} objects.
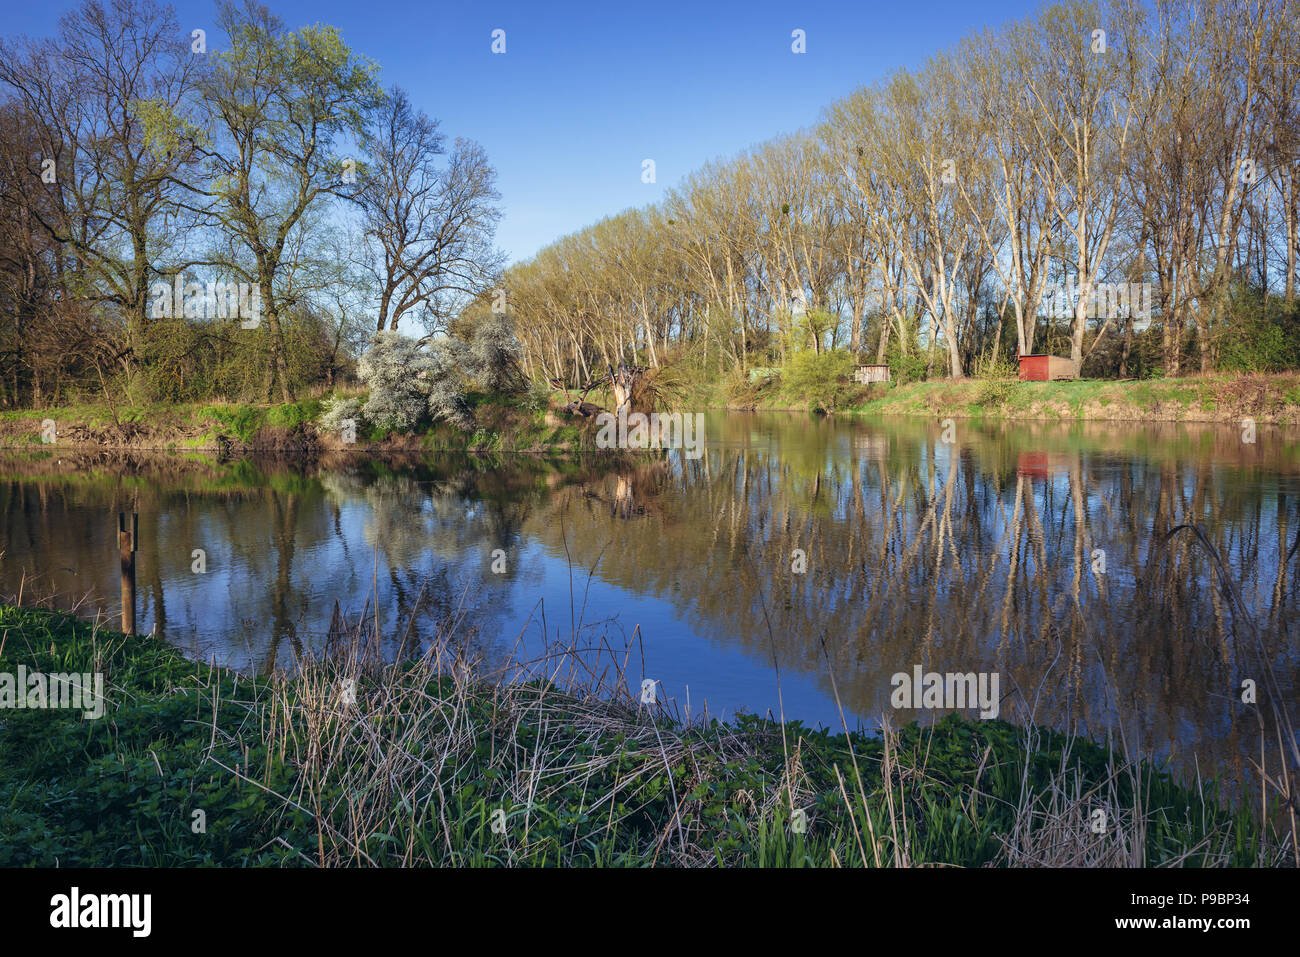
[{"x": 798, "y": 562}]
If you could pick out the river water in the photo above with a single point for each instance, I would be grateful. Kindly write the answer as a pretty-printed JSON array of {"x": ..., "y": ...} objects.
[{"x": 798, "y": 562}]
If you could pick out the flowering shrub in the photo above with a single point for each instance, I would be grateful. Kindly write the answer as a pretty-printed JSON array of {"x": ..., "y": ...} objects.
[
  {"x": 493, "y": 355},
  {"x": 411, "y": 383},
  {"x": 397, "y": 372},
  {"x": 444, "y": 396},
  {"x": 336, "y": 410}
]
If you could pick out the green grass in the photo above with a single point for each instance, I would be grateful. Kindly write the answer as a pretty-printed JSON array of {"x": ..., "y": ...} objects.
[
  {"x": 283, "y": 776},
  {"x": 1266, "y": 398},
  {"x": 245, "y": 421}
]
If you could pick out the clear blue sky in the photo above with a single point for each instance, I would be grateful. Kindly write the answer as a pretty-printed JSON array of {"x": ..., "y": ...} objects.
[{"x": 586, "y": 91}]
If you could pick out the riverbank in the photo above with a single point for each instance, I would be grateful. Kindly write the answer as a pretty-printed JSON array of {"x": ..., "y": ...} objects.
[
  {"x": 511, "y": 424},
  {"x": 235, "y": 429},
  {"x": 353, "y": 762},
  {"x": 1221, "y": 399}
]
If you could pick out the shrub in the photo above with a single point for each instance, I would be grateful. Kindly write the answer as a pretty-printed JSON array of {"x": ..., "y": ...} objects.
[
  {"x": 336, "y": 410},
  {"x": 1256, "y": 347},
  {"x": 905, "y": 368},
  {"x": 394, "y": 369},
  {"x": 995, "y": 391},
  {"x": 292, "y": 415},
  {"x": 998, "y": 375},
  {"x": 537, "y": 398},
  {"x": 492, "y": 355},
  {"x": 445, "y": 396},
  {"x": 823, "y": 380},
  {"x": 996, "y": 366},
  {"x": 243, "y": 420},
  {"x": 1260, "y": 335},
  {"x": 409, "y": 384}
]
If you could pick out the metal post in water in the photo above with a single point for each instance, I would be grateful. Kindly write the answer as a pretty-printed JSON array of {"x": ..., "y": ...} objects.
[{"x": 126, "y": 547}]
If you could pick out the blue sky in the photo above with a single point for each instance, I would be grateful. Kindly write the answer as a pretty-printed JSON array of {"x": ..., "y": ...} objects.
[{"x": 586, "y": 91}]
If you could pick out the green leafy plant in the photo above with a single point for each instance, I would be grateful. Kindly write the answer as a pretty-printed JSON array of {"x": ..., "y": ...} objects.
[
  {"x": 905, "y": 368},
  {"x": 823, "y": 380}
]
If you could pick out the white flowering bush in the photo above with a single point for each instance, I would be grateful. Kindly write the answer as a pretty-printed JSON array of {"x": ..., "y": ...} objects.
[
  {"x": 493, "y": 355},
  {"x": 446, "y": 398},
  {"x": 408, "y": 385},
  {"x": 336, "y": 410},
  {"x": 395, "y": 370}
]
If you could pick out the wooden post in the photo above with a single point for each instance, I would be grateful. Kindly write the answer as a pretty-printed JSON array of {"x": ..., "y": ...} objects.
[{"x": 126, "y": 548}]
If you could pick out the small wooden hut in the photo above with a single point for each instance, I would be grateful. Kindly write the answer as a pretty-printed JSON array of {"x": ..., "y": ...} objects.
[{"x": 1045, "y": 368}]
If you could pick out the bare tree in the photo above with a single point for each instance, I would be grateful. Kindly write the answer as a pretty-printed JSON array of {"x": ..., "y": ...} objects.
[{"x": 433, "y": 224}]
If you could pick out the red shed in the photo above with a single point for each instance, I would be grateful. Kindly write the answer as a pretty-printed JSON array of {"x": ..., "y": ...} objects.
[{"x": 1044, "y": 368}]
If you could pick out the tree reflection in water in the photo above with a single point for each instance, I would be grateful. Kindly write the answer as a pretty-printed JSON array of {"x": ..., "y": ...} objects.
[{"x": 1043, "y": 553}]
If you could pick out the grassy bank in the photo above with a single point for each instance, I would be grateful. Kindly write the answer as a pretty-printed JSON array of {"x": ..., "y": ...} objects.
[
  {"x": 412, "y": 768},
  {"x": 525, "y": 424},
  {"x": 1223, "y": 399},
  {"x": 500, "y": 425}
]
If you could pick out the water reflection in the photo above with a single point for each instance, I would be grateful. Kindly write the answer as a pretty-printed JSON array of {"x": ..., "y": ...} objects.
[{"x": 1043, "y": 553}]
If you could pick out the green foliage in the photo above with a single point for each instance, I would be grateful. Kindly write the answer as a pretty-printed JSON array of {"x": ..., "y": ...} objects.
[
  {"x": 824, "y": 380},
  {"x": 995, "y": 392},
  {"x": 998, "y": 376},
  {"x": 814, "y": 326},
  {"x": 905, "y": 368},
  {"x": 1263, "y": 336},
  {"x": 121, "y": 791},
  {"x": 243, "y": 420},
  {"x": 996, "y": 366},
  {"x": 168, "y": 374},
  {"x": 193, "y": 360},
  {"x": 294, "y": 414}
]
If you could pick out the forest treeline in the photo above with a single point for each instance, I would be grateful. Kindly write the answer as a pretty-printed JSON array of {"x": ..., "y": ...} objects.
[
  {"x": 1004, "y": 199},
  {"x": 186, "y": 216}
]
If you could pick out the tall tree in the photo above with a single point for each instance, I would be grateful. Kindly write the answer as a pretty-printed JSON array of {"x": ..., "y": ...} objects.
[
  {"x": 433, "y": 224},
  {"x": 89, "y": 94},
  {"x": 281, "y": 102}
]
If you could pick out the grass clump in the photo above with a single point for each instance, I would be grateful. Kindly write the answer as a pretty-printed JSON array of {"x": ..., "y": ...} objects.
[{"x": 354, "y": 761}]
